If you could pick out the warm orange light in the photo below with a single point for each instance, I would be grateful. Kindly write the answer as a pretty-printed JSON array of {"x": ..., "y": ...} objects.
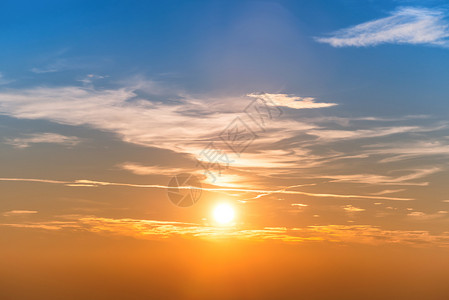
[{"x": 223, "y": 214}]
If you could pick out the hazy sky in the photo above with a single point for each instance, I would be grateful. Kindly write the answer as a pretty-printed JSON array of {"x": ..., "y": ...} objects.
[{"x": 342, "y": 104}]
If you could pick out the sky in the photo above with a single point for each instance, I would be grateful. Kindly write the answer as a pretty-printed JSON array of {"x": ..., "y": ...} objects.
[{"x": 322, "y": 125}]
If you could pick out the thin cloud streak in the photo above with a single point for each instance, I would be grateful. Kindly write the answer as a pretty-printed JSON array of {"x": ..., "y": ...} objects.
[
  {"x": 385, "y": 180},
  {"x": 290, "y": 101},
  {"x": 19, "y": 212},
  {"x": 406, "y": 25},
  {"x": 39, "y": 138},
  {"x": 93, "y": 183}
]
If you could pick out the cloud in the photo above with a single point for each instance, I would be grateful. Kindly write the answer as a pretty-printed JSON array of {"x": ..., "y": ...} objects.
[
  {"x": 352, "y": 209},
  {"x": 157, "y": 230},
  {"x": 151, "y": 123},
  {"x": 151, "y": 170},
  {"x": 290, "y": 101},
  {"x": 19, "y": 212},
  {"x": 406, "y": 150},
  {"x": 406, "y": 25},
  {"x": 94, "y": 183},
  {"x": 119, "y": 111},
  {"x": 326, "y": 135},
  {"x": 299, "y": 205},
  {"x": 407, "y": 179},
  {"x": 38, "y": 138},
  {"x": 383, "y": 192},
  {"x": 289, "y": 146},
  {"x": 422, "y": 216},
  {"x": 90, "y": 78}
]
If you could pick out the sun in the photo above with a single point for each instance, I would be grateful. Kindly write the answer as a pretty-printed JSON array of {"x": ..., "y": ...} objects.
[{"x": 223, "y": 213}]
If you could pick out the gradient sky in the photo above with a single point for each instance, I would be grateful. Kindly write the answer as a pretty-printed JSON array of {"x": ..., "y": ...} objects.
[{"x": 103, "y": 102}]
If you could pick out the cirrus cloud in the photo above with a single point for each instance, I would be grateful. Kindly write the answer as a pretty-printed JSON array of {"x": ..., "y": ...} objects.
[{"x": 406, "y": 25}]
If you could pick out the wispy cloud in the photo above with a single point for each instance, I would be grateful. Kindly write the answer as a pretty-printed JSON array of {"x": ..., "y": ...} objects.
[
  {"x": 19, "y": 212},
  {"x": 38, "y": 138},
  {"x": 150, "y": 123},
  {"x": 154, "y": 229},
  {"x": 353, "y": 209},
  {"x": 332, "y": 135},
  {"x": 383, "y": 192},
  {"x": 290, "y": 146},
  {"x": 3, "y": 80},
  {"x": 291, "y": 101},
  {"x": 406, "y": 25},
  {"x": 406, "y": 150},
  {"x": 139, "y": 169},
  {"x": 261, "y": 192},
  {"x": 407, "y": 179},
  {"x": 422, "y": 216}
]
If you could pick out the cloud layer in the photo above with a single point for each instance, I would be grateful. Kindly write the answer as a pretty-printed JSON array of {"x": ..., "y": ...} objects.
[{"x": 154, "y": 229}]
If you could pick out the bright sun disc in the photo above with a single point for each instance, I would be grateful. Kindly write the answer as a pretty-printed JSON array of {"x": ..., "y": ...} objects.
[{"x": 223, "y": 213}]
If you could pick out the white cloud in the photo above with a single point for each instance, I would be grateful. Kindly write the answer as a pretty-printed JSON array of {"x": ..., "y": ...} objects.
[
  {"x": 186, "y": 125},
  {"x": 52, "y": 138},
  {"x": 406, "y": 25},
  {"x": 291, "y": 101},
  {"x": 135, "y": 121}
]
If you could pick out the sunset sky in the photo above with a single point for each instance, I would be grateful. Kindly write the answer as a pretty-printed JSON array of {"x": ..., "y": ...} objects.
[{"x": 316, "y": 130}]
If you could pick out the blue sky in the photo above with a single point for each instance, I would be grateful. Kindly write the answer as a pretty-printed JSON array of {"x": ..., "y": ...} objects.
[{"x": 228, "y": 47}]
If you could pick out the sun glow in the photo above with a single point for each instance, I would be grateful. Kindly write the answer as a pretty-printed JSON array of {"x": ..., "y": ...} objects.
[{"x": 223, "y": 213}]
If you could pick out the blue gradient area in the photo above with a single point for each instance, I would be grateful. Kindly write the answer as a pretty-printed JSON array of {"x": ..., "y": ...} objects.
[{"x": 224, "y": 47}]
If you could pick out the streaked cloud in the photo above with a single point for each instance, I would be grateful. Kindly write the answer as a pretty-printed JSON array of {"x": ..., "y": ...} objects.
[
  {"x": 398, "y": 151},
  {"x": 291, "y": 101},
  {"x": 406, "y": 25},
  {"x": 383, "y": 192},
  {"x": 39, "y": 138},
  {"x": 332, "y": 135},
  {"x": 299, "y": 205},
  {"x": 407, "y": 179},
  {"x": 259, "y": 192},
  {"x": 156, "y": 230},
  {"x": 138, "y": 169},
  {"x": 19, "y": 212},
  {"x": 352, "y": 209},
  {"x": 422, "y": 216},
  {"x": 290, "y": 147}
]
